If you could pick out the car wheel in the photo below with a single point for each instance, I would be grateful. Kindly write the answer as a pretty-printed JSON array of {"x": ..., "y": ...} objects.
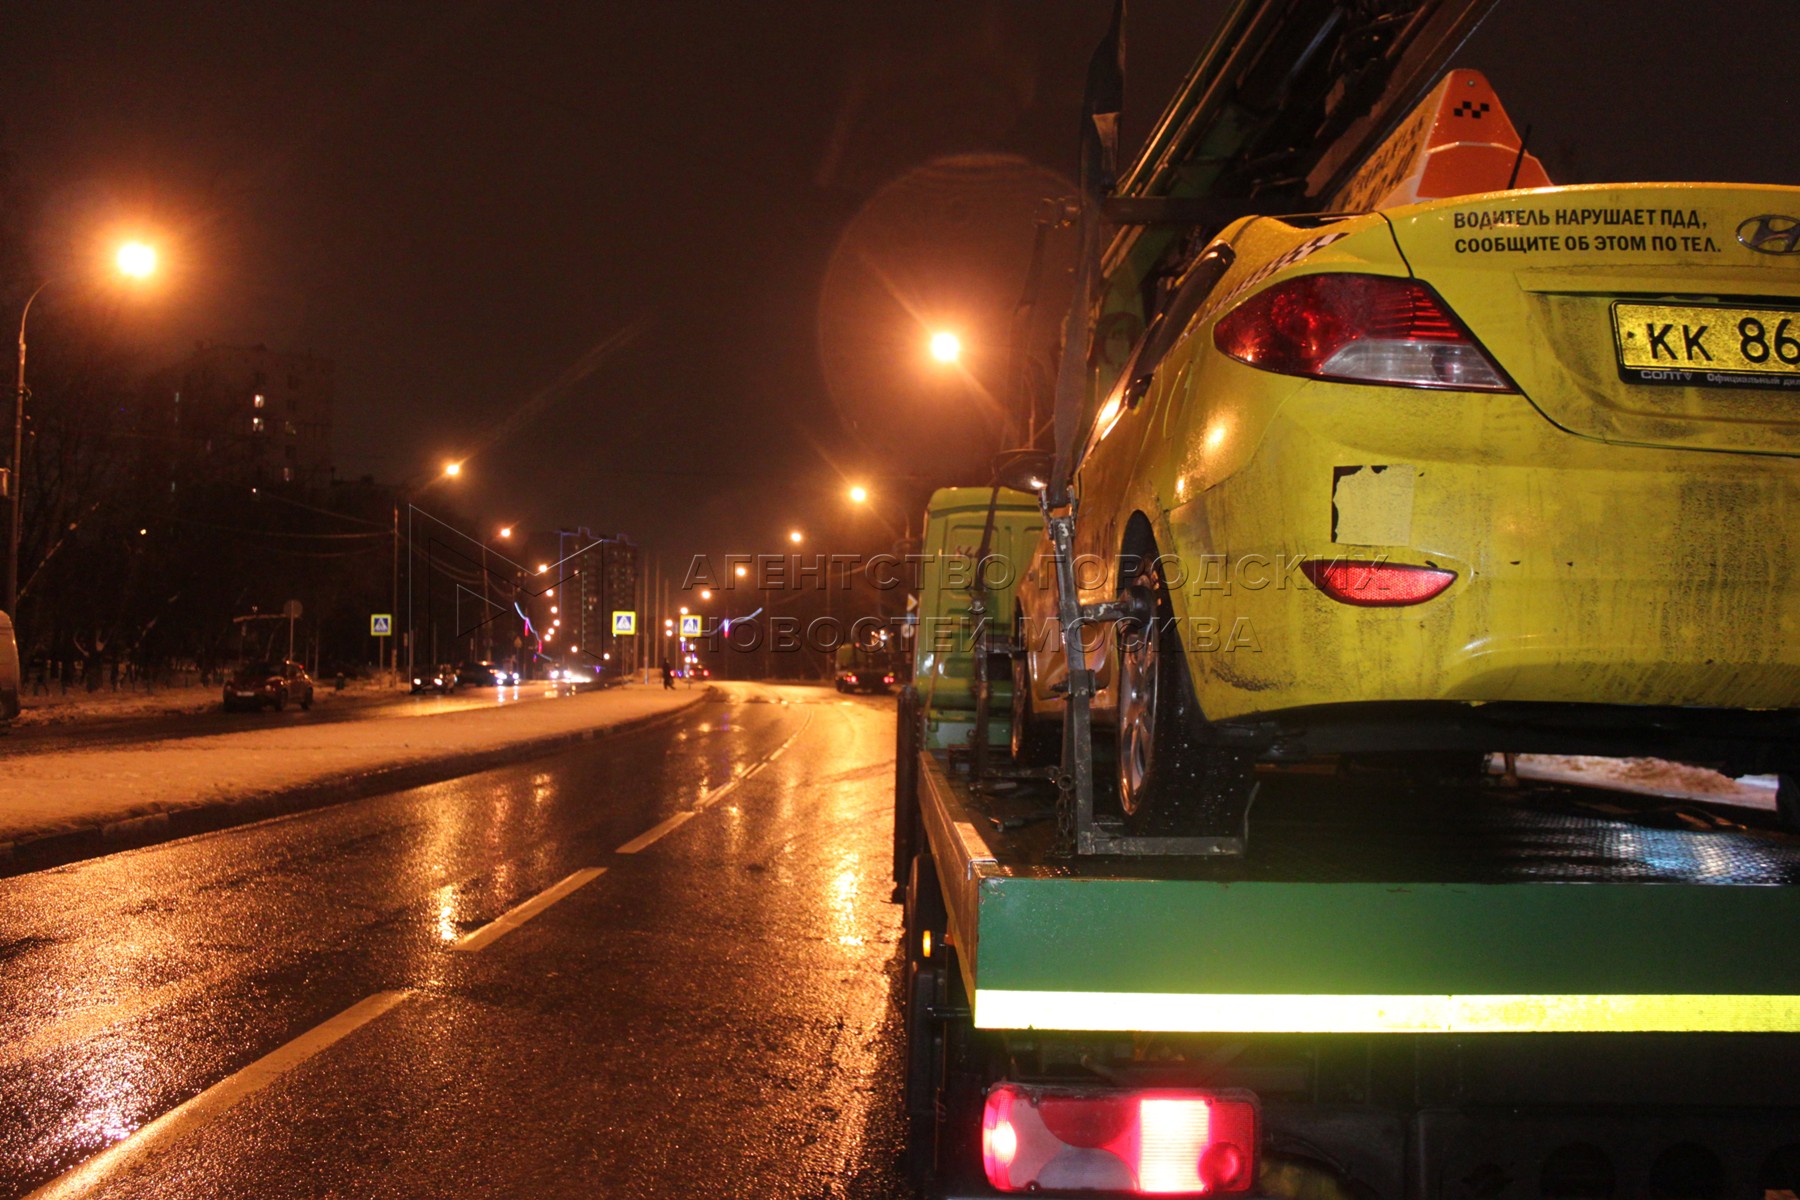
[
  {"x": 306, "y": 700},
  {"x": 1168, "y": 783},
  {"x": 1787, "y": 801},
  {"x": 280, "y": 702},
  {"x": 1035, "y": 742}
]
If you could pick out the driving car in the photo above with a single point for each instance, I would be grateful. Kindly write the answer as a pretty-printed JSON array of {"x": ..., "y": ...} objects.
[
  {"x": 1501, "y": 470},
  {"x": 268, "y": 685},
  {"x": 863, "y": 670},
  {"x": 484, "y": 674},
  {"x": 440, "y": 678}
]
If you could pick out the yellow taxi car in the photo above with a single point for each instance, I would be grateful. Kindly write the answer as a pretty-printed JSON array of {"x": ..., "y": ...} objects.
[{"x": 1510, "y": 471}]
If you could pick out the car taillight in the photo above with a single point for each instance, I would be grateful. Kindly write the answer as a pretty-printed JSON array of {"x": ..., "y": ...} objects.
[
  {"x": 887, "y": 679},
  {"x": 1358, "y": 329},
  {"x": 1376, "y": 584},
  {"x": 1145, "y": 1143}
]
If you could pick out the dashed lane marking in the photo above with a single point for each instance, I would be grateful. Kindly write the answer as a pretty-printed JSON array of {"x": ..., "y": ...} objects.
[
  {"x": 713, "y": 797},
  {"x": 153, "y": 1142},
  {"x": 644, "y": 839},
  {"x": 516, "y": 916}
]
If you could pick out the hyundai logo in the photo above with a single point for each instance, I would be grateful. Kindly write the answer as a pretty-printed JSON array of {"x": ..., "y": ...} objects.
[{"x": 1771, "y": 233}]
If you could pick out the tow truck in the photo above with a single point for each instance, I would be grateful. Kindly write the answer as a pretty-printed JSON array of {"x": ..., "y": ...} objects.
[
  {"x": 1475, "y": 992},
  {"x": 1480, "y": 989}
]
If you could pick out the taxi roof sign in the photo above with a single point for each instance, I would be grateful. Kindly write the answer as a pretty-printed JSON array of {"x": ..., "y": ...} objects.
[{"x": 624, "y": 624}]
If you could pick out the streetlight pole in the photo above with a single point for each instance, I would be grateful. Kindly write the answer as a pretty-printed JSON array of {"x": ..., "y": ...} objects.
[
  {"x": 17, "y": 475},
  {"x": 136, "y": 260}
]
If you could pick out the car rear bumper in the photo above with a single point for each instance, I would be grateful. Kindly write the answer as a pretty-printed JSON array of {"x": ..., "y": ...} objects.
[{"x": 1587, "y": 573}]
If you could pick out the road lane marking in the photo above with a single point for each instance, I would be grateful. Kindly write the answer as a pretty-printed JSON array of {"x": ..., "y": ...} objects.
[
  {"x": 644, "y": 839},
  {"x": 711, "y": 798},
  {"x": 150, "y": 1141},
  {"x": 516, "y": 916}
]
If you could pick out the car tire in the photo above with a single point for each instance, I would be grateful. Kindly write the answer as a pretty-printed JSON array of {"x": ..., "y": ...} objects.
[
  {"x": 1169, "y": 783},
  {"x": 279, "y": 704},
  {"x": 1035, "y": 741},
  {"x": 306, "y": 701}
]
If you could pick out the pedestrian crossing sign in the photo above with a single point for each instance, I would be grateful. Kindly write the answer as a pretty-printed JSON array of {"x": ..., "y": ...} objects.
[
  {"x": 624, "y": 624},
  {"x": 381, "y": 624},
  {"x": 690, "y": 626}
]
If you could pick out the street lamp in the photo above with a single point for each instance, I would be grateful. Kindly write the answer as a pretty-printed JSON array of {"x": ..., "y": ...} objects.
[
  {"x": 859, "y": 494},
  {"x": 134, "y": 260},
  {"x": 137, "y": 260},
  {"x": 451, "y": 470},
  {"x": 945, "y": 346},
  {"x": 795, "y": 536}
]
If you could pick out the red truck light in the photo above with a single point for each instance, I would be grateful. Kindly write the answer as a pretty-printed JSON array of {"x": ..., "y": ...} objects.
[{"x": 1155, "y": 1142}]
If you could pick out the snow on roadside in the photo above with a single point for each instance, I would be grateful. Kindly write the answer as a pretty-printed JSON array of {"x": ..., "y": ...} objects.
[
  {"x": 78, "y": 789},
  {"x": 78, "y": 704}
]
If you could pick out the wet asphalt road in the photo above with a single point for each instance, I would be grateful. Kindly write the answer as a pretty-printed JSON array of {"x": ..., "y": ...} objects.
[{"x": 710, "y": 1016}]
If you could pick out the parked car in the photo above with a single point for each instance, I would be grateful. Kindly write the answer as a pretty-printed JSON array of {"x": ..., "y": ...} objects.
[
  {"x": 441, "y": 678},
  {"x": 11, "y": 682},
  {"x": 268, "y": 685}
]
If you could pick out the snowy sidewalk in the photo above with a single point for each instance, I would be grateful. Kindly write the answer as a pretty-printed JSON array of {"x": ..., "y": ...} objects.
[
  {"x": 82, "y": 802},
  {"x": 79, "y": 705}
]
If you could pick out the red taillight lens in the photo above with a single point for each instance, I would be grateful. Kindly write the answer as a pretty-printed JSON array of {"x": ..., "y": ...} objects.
[
  {"x": 1359, "y": 329},
  {"x": 1376, "y": 584},
  {"x": 1143, "y": 1143}
]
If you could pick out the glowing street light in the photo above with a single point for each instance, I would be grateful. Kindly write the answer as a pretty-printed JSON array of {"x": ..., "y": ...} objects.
[
  {"x": 542, "y": 567},
  {"x": 795, "y": 536},
  {"x": 453, "y": 469},
  {"x": 945, "y": 346},
  {"x": 137, "y": 260},
  {"x": 742, "y": 570},
  {"x": 706, "y": 593},
  {"x": 506, "y": 531},
  {"x": 859, "y": 494}
]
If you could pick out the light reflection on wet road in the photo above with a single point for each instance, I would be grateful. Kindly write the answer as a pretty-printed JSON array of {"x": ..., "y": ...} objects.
[{"x": 710, "y": 1016}]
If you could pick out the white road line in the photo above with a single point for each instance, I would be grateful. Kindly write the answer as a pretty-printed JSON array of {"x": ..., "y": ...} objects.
[
  {"x": 152, "y": 1142},
  {"x": 711, "y": 798},
  {"x": 719, "y": 793},
  {"x": 516, "y": 916},
  {"x": 644, "y": 839}
]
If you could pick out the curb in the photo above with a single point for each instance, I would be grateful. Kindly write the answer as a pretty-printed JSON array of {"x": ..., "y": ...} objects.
[{"x": 60, "y": 849}]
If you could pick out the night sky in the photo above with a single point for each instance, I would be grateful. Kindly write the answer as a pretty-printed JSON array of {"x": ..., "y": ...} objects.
[{"x": 586, "y": 246}]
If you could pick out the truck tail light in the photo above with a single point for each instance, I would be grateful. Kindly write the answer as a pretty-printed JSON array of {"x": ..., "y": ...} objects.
[
  {"x": 1157, "y": 1142},
  {"x": 1376, "y": 584},
  {"x": 1359, "y": 329}
]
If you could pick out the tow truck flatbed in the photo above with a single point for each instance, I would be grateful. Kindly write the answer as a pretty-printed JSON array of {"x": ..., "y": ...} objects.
[{"x": 1370, "y": 908}]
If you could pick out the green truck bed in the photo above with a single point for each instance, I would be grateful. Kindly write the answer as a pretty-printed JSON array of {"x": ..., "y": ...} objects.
[{"x": 1366, "y": 908}]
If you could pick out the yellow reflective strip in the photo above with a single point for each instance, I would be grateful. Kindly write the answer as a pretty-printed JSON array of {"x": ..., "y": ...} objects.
[{"x": 1238, "y": 1013}]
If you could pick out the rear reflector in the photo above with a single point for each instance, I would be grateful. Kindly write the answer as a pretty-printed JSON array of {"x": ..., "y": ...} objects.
[
  {"x": 1358, "y": 329},
  {"x": 1376, "y": 584},
  {"x": 1138, "y": 1143}
]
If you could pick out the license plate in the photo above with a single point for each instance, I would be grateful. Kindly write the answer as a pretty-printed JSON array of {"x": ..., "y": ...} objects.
[{"x": 1708, "y": 345}]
